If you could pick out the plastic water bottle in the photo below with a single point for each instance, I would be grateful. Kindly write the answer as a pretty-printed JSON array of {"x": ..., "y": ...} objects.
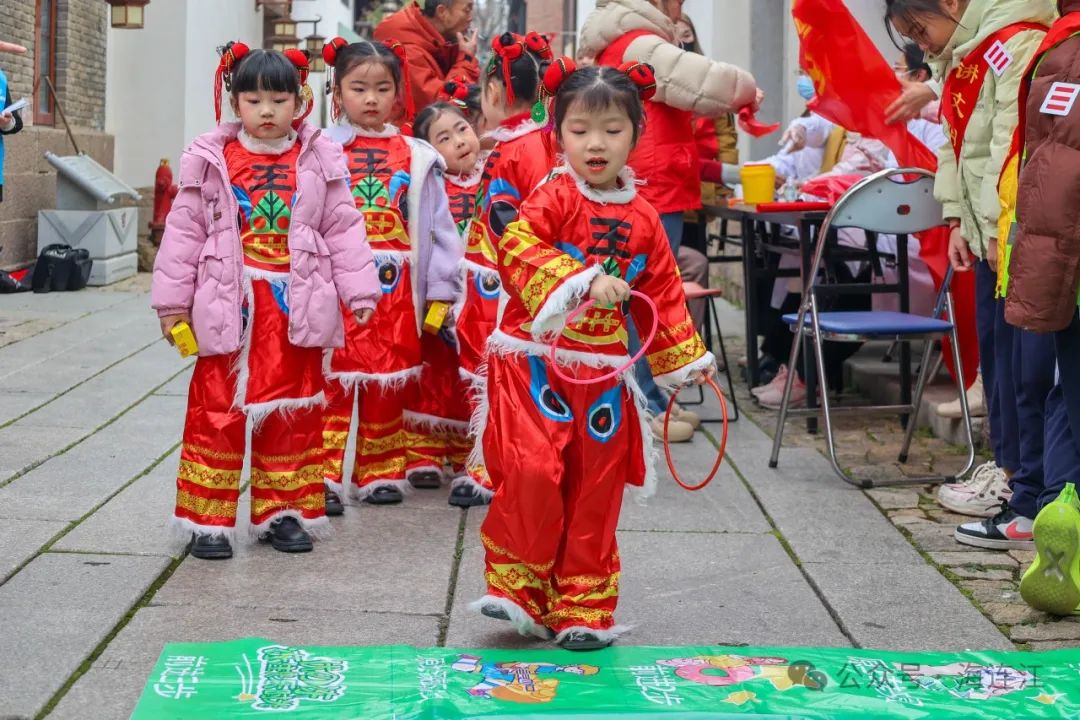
[{"x": 790, "y": 191}]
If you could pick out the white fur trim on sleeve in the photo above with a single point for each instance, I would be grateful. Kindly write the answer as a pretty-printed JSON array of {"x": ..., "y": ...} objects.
[
  {"x": 683, "y": 374},
  {"x": 551, "y": 318}
]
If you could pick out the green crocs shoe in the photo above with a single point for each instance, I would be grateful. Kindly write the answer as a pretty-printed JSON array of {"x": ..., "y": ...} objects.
[{"x": 1052, "y": 583}]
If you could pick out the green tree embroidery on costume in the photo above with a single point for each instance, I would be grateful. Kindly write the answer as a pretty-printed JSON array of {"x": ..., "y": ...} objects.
[
  {"x": 271, "y": 215},
  {"x": 370, "y": 189},
  {"x": 611, "y": 268}
]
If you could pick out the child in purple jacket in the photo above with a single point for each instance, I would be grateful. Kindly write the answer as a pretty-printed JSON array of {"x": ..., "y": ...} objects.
[
  {"x": 398, "y": 184},
  {"x": 262, "y": 244}
]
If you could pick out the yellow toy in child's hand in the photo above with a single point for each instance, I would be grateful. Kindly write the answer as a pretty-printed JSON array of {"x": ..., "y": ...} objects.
[
  {"x": 184, "y": 339},
  {"x": 436, "y": 316}
]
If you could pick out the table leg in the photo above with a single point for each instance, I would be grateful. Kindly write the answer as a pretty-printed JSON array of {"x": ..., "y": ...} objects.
[{"x": 806, "y": 249}]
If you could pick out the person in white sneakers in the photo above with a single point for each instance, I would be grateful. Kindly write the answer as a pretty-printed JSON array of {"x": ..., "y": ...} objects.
[{"x": 980, "y": 495}]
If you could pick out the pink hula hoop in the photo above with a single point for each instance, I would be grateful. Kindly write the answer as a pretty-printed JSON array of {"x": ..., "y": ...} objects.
[{"x": 617, "y": 371}]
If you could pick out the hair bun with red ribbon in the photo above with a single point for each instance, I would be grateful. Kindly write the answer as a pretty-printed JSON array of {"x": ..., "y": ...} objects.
[
  {"x": 508, "y": 46},
  {"x": 299, "y": 58},
  {"x": 231, "y": 54},
  {"x": 643, "y": 76},
  {"x": 331, "y": 49},
  {"x": 557, "y": 72},
  {"x": 539, "y": 45},
  {"x": 455, "y": 91}
]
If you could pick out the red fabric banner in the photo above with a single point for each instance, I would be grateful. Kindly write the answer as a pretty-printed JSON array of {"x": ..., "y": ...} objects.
[{"x": 854, "y": 86}]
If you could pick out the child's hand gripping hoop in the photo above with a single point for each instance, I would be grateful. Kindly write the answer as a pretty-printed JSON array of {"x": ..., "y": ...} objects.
[
  {"x": 671, "y": 403},
  {"x": 584, "y": 307},
  {"x": 723, "y": 437}
]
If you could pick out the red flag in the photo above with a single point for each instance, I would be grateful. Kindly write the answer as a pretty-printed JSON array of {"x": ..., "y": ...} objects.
[{"x": 854, "y": 86}]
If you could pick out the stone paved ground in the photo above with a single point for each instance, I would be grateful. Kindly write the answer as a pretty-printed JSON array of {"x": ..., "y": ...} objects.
[
  {"x": 92, "y": 585},
  {"x": 868, "y": 447}
]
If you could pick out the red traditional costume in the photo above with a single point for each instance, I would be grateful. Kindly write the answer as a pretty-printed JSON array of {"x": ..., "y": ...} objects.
[
  {"x": 275, "y": 383},
  {"x": 521, "y": 159},
  {"x": 392, "y": 178},
  {"x": 438, "y": 421},
  {"x": 560, "y": 453}
]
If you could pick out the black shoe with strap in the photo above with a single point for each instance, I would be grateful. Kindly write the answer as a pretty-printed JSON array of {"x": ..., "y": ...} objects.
[
  {"x": 465, "y": 496},
  {"x": 210, "y": 547},
  {"x": 385, "y": 495},
  {"x": 581, "y": 640},
  {"x": 425, "y": 480},
  {"x": 334, "y": 506},
  {"x": 286, "y": 535}
]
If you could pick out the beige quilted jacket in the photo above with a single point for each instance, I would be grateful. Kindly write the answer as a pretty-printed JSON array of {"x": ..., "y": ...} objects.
[{"x": 684, "y": 80}]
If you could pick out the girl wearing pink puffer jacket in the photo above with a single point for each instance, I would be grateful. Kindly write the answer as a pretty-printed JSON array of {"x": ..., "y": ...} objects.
[{"x": 262, "y": 245}]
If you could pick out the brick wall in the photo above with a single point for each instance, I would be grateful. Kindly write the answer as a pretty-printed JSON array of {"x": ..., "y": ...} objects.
[
  {"x": 30, "y": 181},
  {"x": 546, "y": 16}
]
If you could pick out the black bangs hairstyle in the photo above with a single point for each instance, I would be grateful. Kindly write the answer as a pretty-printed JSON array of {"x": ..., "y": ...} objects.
[
  {"x": 594, "y": 89},
  {"x": 908, "y": 11},
  {"x": 366, "y": 51},
  {"x": 428, "y": 8},
  {"x": 267, "y": 70},
  {"x": 915, "y": 59},
  {"x": 526, "y": 73},
  {"x": 427, "y": 117}
]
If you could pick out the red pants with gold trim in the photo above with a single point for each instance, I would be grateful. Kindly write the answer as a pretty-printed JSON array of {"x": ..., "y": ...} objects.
[
  {"x": 286, "y": 457},
  {"x": 381, "y": 442},
  {"x": 438, "y": 417},
  {"x": 560, "y": 455}
]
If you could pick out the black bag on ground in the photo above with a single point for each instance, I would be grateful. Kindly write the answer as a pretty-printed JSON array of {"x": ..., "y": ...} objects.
[{"x": 61, "y": 267}]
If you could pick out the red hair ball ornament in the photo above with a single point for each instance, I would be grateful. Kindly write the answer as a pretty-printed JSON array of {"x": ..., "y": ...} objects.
[
  {"x": 329, "y": 53},
  {"x": 455, "y": 92},
  {"x": 410, "y": 103},
  {"x": 509, "y": 47},
  {"x": 539, "y": 45},
  {"x": 231, "y": 54},
  {"x": 643, "y": 76},
  {"x": 299, "y": 58},
  {"x": 557, "y": 73}
]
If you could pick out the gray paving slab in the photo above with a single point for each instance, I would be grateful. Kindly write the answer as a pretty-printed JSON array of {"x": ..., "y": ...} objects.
[
  {"x": 72, "y": 366},
  {"x": 106, "y": 323},
  {"x": 20, "y": 540},
  {"x": 55, "y": 612},
  {"x": 110, "y": 689},
  {"x": 178, "y": 385},
  {"x": 136, "y": 521},
  {"x": 69, "y": 485},
  {"x": 723, "y": 506},
  {"x": 904, "y": 607},
  {"x": 377, "y": 559},
  {"x": 22, "y": 447},
  {"x": 822, "y": 517},
  {"x": 14, "y": 404},
  {"x": 679, "y": 588},
  {"x": 104, "y": 396}
]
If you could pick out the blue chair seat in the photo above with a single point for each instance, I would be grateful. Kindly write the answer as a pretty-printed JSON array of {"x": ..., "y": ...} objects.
[{"x": 874, "y": 323}]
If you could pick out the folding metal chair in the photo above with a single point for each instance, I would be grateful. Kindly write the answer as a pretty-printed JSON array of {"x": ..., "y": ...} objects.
[{"x": 898, "y": 202}]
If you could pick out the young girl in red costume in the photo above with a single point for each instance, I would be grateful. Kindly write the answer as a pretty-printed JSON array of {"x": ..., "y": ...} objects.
[
  {"x": 397, "y": 183},
  {"x": 439, "y": 422},
  {"x": 520, "y": 160},
  {"x": 262, "y": 244},
  {"x": 560, "y": 453}
]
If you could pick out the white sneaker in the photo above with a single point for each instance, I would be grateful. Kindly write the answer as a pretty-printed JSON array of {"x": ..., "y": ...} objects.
[
  {"x": 678, "y": 431},
  {"x": 687, "y": 416},
  {"x": 976, "y": 398},
  {"x": 776, "y": 384},
  {"x": 980, "y": 495}
]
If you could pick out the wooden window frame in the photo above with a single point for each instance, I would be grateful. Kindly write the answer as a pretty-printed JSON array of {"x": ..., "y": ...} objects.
[{"x": 43, "y": 116}]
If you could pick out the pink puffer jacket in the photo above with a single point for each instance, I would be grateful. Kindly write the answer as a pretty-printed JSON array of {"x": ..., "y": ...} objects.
[{"x": 200, "y": 264}]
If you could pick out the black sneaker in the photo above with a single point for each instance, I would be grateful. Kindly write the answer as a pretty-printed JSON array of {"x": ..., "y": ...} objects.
[
  {"x": 210, "y": 547},
  {"x": 464, "y": 496},
  {"x": 287, "y": 535},
  {"x": 334, "y": 506},
  {"x": 1007, "y": 530},
  {"x": 583, "y": 641},
  {"x": 425, "y": 480},
  {"x": 385, "y": 495}
]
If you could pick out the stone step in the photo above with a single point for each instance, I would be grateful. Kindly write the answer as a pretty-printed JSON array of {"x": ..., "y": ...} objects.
[{"x": 866, "y": 373}]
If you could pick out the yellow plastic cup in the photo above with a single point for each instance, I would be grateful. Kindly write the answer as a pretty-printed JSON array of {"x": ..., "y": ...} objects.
[{"x": 758, "y": 183}]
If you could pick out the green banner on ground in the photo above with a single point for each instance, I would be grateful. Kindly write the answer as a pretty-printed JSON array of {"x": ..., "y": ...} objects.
[{"x": 252, "y": 678}]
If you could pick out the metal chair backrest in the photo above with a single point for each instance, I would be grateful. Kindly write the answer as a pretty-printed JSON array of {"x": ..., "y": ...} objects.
[{"x": 897, "y": 201}]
